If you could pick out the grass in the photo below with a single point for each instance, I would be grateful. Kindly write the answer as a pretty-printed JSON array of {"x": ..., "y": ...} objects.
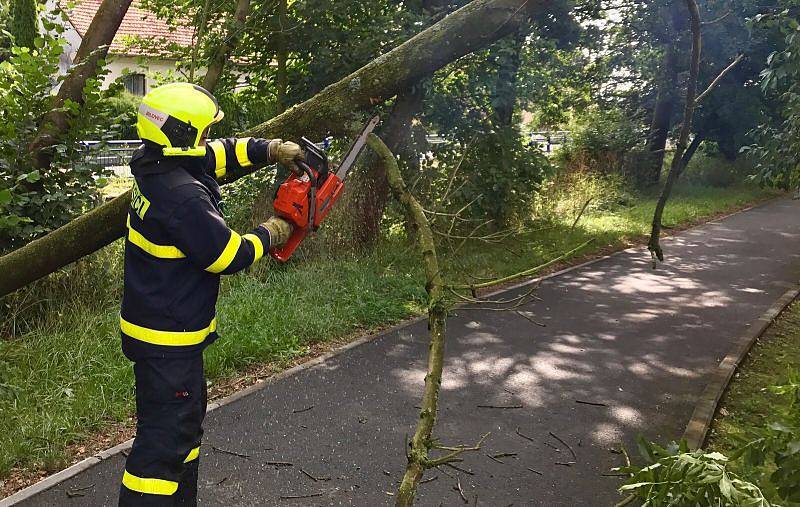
[
  {"x": 116, "y": 186},
  {"x": 63, "y": 378},
  {"x": 748, "y": 404}
]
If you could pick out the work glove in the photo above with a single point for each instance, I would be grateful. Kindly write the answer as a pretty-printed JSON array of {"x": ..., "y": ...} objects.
[
  {"x": 286, "y": 153},
  {"x": 279, "y": 231}
]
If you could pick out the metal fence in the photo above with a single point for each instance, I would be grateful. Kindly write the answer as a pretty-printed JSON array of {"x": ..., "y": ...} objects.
[
  {"x": 547, "y": 141},
  {"x": 115, "y": 155}
]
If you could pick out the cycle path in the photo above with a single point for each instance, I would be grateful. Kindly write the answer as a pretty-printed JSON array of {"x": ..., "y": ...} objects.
[{"x": 636, "y": 343}]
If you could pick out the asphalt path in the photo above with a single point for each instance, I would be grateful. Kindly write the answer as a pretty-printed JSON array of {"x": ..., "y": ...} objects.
[{"x": 637, "y": 344}]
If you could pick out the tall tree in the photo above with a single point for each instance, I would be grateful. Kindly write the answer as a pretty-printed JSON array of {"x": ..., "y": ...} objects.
[
  {"x": 777, "y": 138},
  {"x": 331, "y": 111},
  {"x": 369, "y": 192},
  {"x": 222, "y": 52},
  {"x": 281, "y": 58},
  {"x": 91, "y": 52},
  {"x": 666, "y": 101},
  {"x": 23, "y": 24},
  {"x": 693, "y": 98}
]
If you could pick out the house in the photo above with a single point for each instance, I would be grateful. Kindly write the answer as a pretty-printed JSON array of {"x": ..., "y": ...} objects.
[{"x": 136, "y": 63}]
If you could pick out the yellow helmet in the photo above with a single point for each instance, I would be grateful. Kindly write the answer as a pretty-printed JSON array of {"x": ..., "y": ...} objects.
[{"x": 175, "y": 116}]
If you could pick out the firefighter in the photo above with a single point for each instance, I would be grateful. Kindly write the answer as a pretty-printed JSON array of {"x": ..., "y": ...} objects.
[{"x": 177, "y": 247}]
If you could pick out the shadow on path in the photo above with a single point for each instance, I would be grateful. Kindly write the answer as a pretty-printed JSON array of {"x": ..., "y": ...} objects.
[{"x": 638, "y": 341}]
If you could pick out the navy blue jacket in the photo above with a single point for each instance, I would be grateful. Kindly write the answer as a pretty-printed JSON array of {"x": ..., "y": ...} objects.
[{"x": 178, "y": 245}]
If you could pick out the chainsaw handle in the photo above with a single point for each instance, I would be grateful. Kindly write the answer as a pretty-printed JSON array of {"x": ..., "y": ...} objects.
[{"x": 304, "y": 167}]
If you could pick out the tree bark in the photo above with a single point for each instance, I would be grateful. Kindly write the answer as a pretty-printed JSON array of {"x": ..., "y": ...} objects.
[
  {"x": 80, "y": 237},
  {"x": 221, "y": 53},
  {"x": 370, "y": 191},
  {"x": 437, "y": 322},
  {"x": 93, "y": 49},
  {"x": 504, "y": 103},
  {"x": 677, "y": 166},
  {"x": 23, "y": 24},
  {"x": 334, "y": 111},
  {"x": 692, "y": 149},
  {"x": 197, "y": 40},
  {"x": 281, "y": 55},
  {"x": 662, "y": 117},
  {"x": 504, "y": 100}
]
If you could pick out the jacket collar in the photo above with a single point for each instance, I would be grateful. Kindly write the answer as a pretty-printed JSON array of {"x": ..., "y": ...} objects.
[{"x": 149, "y": 159}]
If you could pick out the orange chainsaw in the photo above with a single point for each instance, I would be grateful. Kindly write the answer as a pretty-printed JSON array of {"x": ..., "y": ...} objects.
[{"x": 305, "y": 199}]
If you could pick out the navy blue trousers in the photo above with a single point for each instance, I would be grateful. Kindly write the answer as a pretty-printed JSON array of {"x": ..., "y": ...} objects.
[{"x": 171, "y": 402}]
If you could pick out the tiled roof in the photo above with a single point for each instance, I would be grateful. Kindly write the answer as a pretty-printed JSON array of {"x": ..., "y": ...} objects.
[{"x": 136, "y": 23}]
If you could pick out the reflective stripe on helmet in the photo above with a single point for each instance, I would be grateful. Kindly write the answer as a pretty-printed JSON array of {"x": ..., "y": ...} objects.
[{"x": 153, "y": 115}]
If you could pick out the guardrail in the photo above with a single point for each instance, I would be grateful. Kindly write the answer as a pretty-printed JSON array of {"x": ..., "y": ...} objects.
[
  {"x": 547, "y": 140},
  {"x": 111, "y": 154},
  {"x": 117, "y": 155}
]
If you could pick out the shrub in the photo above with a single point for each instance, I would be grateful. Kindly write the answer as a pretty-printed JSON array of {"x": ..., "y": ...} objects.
[
  {"x": 496, "y": 176},
  {"x": 33, "y": 202},
  {"x": 567, "y": 193},
  {"x": 708, "y": 168},
  {"x": 123, "y": 108},
  {"x": 602, "y": 141}
]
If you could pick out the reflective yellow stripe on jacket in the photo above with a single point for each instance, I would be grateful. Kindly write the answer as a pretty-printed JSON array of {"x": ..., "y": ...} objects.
[
  {"x": 226, "y": 257},
  {"x": 160, "y": 251},
  {"x": 149, "y": 486},
  {"x": 219, "y": 158},
  {"x": 168, "y": 338},
  {"x": 257, "y": 245},
  {"x": 241, "y": 152}
]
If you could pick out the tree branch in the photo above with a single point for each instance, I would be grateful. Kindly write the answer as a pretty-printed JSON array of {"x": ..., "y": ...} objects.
[
  {"x": 521, "y": 274},
  {"x": 719, "y": 78},
  {"x": 676, "y": 168}
]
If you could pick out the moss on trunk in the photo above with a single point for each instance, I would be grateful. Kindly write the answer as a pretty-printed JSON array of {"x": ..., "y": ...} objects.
[
  {"x": 332, "y": 111},
  {"x": 79, "y": 238},
  {"x": 437, "y": 320}
]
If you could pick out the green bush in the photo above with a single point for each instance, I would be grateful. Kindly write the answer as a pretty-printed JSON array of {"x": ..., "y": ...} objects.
[
  {"x": 33, "y": 202},
  {"x": 602, "y": 141},
  {"x": 123, "y": 108},
  {"x": 566, "y": 194},
  {"x": 708, "y": 168},
  {"x": 495, "y": 176}
]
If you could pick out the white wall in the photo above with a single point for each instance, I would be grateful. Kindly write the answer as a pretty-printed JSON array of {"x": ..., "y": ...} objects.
[{"x": 120, "y": 64}]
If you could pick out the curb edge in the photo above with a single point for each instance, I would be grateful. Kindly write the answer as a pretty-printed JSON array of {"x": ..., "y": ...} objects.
[
  {"x": 705, "y": 409},
  {"x": 73, "y": 470}
]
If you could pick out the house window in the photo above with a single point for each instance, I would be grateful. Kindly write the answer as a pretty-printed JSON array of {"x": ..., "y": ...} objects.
[{"x": 134, "y": 84}]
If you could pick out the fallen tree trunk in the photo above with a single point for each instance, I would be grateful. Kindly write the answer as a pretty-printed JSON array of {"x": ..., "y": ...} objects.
[
  {"x": 475, "y": 25},
  {"x": 80, "y": 237},
  {"x": 93, "y": 49},
  {"x": 333, "y": 111}
]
